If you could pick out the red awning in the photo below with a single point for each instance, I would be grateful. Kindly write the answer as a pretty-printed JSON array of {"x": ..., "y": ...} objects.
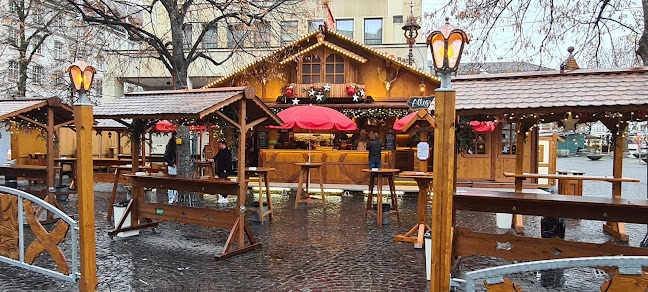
[{"x": 312, "y": 117}]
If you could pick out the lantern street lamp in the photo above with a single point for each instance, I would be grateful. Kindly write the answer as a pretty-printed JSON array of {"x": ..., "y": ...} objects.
[
  {"x": 81, "y": 75},
  {"x": 447, "y": 45},
  {"x": 411, "y": 32}
]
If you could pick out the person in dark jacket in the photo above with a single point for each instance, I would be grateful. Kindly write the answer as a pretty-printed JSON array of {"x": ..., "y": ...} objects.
[
  {"x": 223, "y": 161},
  {"x": 171, "y": 158},
  {"x": 375, "y": 148}
]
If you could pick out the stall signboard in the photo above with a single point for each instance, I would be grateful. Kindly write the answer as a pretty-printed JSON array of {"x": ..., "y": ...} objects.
[
  {"x": 390, "y": 141},
  {"x": 263, "y": 139},
  {"x": 423, "y": 150},
  {"x": 418, "y": 102}
]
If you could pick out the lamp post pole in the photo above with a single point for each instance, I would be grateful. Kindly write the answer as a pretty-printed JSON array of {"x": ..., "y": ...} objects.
[
  {"x": 411, "y": 32},
  {"x": 447, "y": 46},
  {"x": 83, "y": 121}
]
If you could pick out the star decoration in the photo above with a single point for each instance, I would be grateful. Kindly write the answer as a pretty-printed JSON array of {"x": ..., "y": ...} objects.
[
  {"x": 319, "y": 97},
  {"x": 355, "y": 98},
  {"x": 570, "y": 123},
  {"x": 295, "y": 101},
  {"x": 327, "y": 87},
  {"x": 362, "y": 93},
  {"x": 311, "y": 92}
]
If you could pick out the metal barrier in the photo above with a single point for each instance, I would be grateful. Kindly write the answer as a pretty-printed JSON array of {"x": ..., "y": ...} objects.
[
  {"x": 628, "y": 265},
  {"x": 19, "y": 205}
]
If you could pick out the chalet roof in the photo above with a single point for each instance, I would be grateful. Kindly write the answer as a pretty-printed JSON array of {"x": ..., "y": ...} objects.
[
  {"x": 186, "y": 104},
  {"x": 31, "y": 108},
  {"x": 334, "y": 38},
  {"x": 624, "y": 89}
]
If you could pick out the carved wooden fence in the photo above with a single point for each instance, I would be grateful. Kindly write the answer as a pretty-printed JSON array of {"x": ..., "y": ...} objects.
[{"x": 18, "y": 207}]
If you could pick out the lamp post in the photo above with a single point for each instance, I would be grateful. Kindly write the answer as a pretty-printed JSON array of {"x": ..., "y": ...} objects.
[
  {"x": 81, "y": 75},
  {"x": 411, "y": 32},
  {"x": 446, "y": 45}
]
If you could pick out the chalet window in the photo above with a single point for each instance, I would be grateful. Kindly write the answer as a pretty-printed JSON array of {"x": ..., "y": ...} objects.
[
  {"x": 345, "y": 27},
  {"x": 314, "y": 25},
  {"x": 186, "y": 36},
  {"x": 373, "y": 31},
  {"x": 37, "y": 75},
  {"x": 262, "y": 35},
  {"x": 235, "y": 35},
  {"x": 335, "y": 69},
  {"x": 288, "y": 32},
  {"x": 210, "y": 39},
  {"x": 509, "y": 138},
  {"x": 479, "y": 145},
  {"x": 311, "y": 69},
  {"x": 58, "y": 50}
]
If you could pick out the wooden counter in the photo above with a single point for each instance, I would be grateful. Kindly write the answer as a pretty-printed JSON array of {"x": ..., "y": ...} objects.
[{"x": 339, "y": 166}]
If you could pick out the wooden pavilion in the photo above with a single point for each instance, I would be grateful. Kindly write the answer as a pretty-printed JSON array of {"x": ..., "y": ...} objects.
[
  {"x": 45, "y": 114},
  {"x": 238, "y": 106}
]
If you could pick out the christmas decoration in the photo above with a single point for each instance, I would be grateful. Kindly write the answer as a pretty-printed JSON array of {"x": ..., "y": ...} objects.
[
  {"x": 288, "y": 93},
  {"x": 295, "y": 101},
  {"x": 569, "y": 122},
  {"x": 465, "y": 136},
  {"x": 641, "y": 114},
  {"x": 380, "y": 114},
  {"x": 320, "y": 93},
  {"x": 356, "y": 93}
]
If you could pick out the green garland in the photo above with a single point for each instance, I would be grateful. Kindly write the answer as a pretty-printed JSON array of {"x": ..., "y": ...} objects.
[
  {"x": 376, "y": 113},
  {"x": 318, "y": 90},
  {"x": 464, "y": 135}
]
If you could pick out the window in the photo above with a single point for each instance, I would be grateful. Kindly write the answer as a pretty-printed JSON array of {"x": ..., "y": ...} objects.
[
  {"x": 13, "y": 35},
  {"x": 59, "y": 79},
  {"x": 210, "y": 39},
  {"x": 335, "y": 69},
  {"x": 186, "y": 36},
  {"x": 13, "y": 70},
  {"x": 479, "y": 145},
  {"x": 235, "y": 35},
  {"x": 315, "y": 24},
  {"x": 398, "y": 19},
  {"x": 13, "y": 8},
  {"x": 345, "y": 27},
  {"x": 509, "y": 139},
  {"x": 373, "y": 31},
  {"x": 59, "y": 21},
  {"x": 37, "y": 39},
  {"x": 311, "y": 66},
  {"x": 58, "y": 50},
  {"x": 288, "y": 32},
  {"x": 262, "y": 35},
  {"x": 37, "y": 74}
]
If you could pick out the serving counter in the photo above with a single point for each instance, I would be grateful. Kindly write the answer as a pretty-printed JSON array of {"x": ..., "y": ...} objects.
[{"x": 339, "y": 166}]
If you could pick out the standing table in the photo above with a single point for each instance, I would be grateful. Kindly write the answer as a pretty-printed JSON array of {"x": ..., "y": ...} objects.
[
  {"x": 119, "y": 170},
  {"x": 262, "y": 172},
  {"x": 424, "y": 181},
  {"x": 570, "y": 187},
  {"x": 305, "y": 175},
  {"x": 204, "y": 164},
  {"x": 72, "y": 162},
  {"x": 378, "y": 174}
]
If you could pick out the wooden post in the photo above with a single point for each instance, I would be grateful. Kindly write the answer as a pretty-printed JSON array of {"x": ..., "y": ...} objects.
[
  {"x": 617, "y": 229},
  {"x": 518, "y": 222},
  {"x": 85, "y": 185},
  {"x": 444, "y": 184},
  {"x": 241, "y": 173},
  {"x": 50, "y": 150}
]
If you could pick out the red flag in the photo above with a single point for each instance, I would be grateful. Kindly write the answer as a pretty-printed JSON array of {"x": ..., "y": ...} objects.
[{"x": 329, "y": 21}]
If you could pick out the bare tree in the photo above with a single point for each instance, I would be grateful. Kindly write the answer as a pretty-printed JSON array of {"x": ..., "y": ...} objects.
[
  {"x": 28, "y": 23},
  {"x": 175, "y": 32},
  {"x": 531, "y": 30}
]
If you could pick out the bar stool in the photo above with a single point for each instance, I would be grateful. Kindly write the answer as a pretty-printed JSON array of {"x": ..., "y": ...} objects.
[{"x": 377, "y": 175}]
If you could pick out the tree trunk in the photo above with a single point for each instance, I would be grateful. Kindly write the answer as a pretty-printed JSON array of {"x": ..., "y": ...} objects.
[
  {"x": 178, "y": 60},
  {"x": 21, "y": 85},
  {"x": 642, "y": 49}
]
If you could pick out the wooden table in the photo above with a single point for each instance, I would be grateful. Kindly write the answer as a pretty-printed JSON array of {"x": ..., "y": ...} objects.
[
  {"x": 424, "y": 181},
  {"x": 119, "y": 171},
  {"x": 262, "y": 172},
  {"x": 304, "y": 174},
  {"x": 202, "y": 164},
  {"x": 147, "y": 212},
  {"x": 570, "y": 187},
  {"x": 72, "y": 162},
  {"x": 33, "y": 171},
  {"x": 378, "y": 174}
]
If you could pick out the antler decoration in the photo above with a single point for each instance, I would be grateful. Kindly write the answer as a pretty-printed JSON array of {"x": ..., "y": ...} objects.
[{"x": 388, "y": 83}]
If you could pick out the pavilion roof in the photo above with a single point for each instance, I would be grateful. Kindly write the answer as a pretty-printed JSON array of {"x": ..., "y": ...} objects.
[
  {"x": 583, "y": 90},
  {"x": 35, "y": 109}
]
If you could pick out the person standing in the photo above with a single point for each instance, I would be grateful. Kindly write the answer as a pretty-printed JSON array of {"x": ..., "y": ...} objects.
[
  {"x": 171, "y": 158},
  {"x": 375, "y": 149},
  {"x": 223, "y": 164}
]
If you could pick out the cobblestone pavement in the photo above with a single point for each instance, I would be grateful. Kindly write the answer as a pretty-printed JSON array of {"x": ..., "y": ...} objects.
[{"x": 306, "y": 249}]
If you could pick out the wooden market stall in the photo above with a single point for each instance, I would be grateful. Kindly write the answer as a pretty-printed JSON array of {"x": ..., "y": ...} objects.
[
  {"x": 47, "y": 115},
  {"x": 239, "y": 107}
]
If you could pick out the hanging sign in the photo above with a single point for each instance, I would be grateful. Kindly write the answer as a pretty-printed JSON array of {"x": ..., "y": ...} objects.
[
  {"x": 418, "y": 102},
  {"x": 263, "y": 139},
  {"x": 423, "y": 150}
]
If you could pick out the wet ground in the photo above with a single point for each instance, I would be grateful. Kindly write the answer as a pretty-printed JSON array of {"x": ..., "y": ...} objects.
[{"x": 309, "y": 248}]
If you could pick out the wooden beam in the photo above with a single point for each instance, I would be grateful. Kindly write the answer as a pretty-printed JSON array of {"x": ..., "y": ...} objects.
[
  {"x": 559, "y": 206},
  {"x": 50, "y": 151},
  {"x": 257, "y": 121},
  {"x": 518, "y": 221},
  {"x": 56, "y": 127},
  {"x": 241, "y": 172},
  {"x": 226, "y": 118},
  {"x": 32, "y": 121},
  {"x": 617, "y": 229}
]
